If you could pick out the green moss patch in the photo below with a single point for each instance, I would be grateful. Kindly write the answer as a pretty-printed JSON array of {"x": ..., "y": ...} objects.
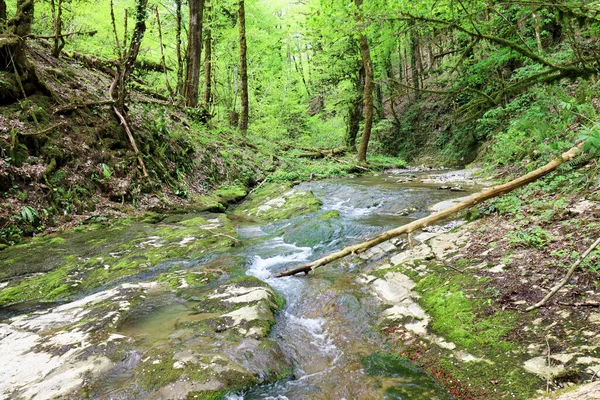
[
  {"x": 230, "y": 194},
  {"x": 414, "y": 382},
  {"x": 275, "y": 202}
]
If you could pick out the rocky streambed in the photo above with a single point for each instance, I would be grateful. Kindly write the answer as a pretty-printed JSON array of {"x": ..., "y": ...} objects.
[{"x": 184, "y": 305}]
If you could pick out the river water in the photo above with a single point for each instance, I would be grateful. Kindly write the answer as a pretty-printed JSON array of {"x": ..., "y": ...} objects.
[{"x": 327, "y": 328}]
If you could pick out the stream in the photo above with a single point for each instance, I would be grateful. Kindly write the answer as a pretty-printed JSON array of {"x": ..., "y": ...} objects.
[
  {"x": 327, "y": 332},
  {"x": 327, "y": 328}
]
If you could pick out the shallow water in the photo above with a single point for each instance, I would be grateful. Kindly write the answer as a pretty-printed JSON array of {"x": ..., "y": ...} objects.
[{"x": 326, "y": 329}]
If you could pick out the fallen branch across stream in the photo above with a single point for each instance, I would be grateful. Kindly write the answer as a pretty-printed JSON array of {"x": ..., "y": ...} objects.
[{"x": 438, "y": 216}]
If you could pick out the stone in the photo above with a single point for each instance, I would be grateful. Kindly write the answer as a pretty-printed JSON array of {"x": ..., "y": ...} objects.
[{"x": 539, "y": 366}]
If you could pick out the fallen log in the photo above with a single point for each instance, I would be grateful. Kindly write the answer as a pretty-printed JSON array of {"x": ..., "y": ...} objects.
[
  {"x": 321, "y": 153},
  {"x": 438, "y": 216}
]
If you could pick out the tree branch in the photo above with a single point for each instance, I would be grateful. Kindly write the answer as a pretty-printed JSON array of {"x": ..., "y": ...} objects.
[
  {"x": 566, "y": 279},
  {"x": 420, "y": 223}
]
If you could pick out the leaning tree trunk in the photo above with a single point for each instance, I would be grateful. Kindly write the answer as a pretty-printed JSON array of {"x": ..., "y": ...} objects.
[
  {"x": 440, "y": 215},
  {"x": 118, "y": 89},
  {"x": 194, "y": 53},
  {"x": 134, "y": 49},
  {"x": 243, "y": 122}
]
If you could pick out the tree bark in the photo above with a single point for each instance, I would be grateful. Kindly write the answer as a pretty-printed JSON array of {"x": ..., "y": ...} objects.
[
  {"x": 178, "y": 23},
  {"x": 132, "y": 53},
  {"x": 208, "y": 59},
  {"x": 59, "y": 40},
  {"x": 18, "y": 28},
  {"x": 365, "y": 55},
  {"x": 2, "y": 15},
  {"x": 194, "y": 53},
  {"x": 536, "y": 27},
  {"x": 414, "y": 53},
  {"x": 355, "y": 110},
  {"x": 243, "y": 121},
  {"x": 440, "y": 215}
]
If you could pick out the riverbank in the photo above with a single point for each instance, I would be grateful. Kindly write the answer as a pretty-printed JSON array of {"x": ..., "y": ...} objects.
[{"x": 456, "y": 302}]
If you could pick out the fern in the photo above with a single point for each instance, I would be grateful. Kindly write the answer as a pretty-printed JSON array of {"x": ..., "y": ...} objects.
[{"x": 29, "y": 214}]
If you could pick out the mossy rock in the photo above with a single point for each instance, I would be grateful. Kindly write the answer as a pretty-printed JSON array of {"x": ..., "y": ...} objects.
[
  {"x": 200, "y": 204},
  {"x": 230, "y": 194},
  {"x": 278, "y": 201},
  {"x": 330, "y": 214}
]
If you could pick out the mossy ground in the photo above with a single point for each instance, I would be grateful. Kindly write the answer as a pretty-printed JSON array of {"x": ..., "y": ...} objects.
[{"x": 476, "y": 296}]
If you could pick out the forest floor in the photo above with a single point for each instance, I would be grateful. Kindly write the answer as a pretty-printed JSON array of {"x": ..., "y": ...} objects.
[{"x": 465, "y": 320}]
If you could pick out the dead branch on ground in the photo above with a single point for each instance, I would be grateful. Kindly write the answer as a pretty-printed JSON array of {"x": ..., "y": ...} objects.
[
  {"x": 566, "y": 279},
  {"x": 132, "y": 141}
]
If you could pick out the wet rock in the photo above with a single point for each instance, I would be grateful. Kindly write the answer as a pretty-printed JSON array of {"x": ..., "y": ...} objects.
[
  {"x": 442, "y": 205},
  {"x": 406, "y": 211},
  {"x": 539, "y": 366},
  {"x": 278, "y": 201},
  {"x": 452, "y": 188},
  {"x": 53, "y": 353},
  {"x": 80, "y": 261}
]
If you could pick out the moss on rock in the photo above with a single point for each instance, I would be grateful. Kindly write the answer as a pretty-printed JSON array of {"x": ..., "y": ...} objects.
[{"x": 275, "y": 202}]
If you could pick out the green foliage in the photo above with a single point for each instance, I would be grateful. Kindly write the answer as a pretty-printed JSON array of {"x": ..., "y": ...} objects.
[
  {"x": 446, "y": 303},
  {"x": 591, "y": 136},
  {"x": 29, "y": 214},
  {"x": 530, "y": 237}
]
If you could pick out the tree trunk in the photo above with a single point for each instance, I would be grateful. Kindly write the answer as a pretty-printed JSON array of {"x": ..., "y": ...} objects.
[
  {"x": 208, "y": 59},
  {"x": 414, "y": 54},
  {"x": 368, "y": 97},
  {"x": 243, "y": 121},
  {"x": 59, "y": 40},
  {"x": 132, "y": 53},
  {"x": 536, "y": 27},
  {"x": 355, "y": 109},
  {"x": 365, "y": 55},
  {"x": 13, "y": 57},
  {"x": 440, "y": 215},
  {"x": 178, "y": 23},
  {"x": 194, "y": 53},
  {"x": 2, "y": 15}
]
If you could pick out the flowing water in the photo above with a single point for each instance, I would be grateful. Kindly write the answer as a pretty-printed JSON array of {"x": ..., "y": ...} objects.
[{"x": 327, "y": 327}]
